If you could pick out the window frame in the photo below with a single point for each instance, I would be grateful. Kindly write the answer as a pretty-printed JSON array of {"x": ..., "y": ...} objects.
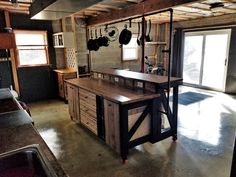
[
  {"x": 137, "y": 49},
  {"x": 45, "y": 47}
]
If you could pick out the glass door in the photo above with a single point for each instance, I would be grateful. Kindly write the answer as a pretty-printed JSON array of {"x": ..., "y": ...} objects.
[{"x": 205, "y": 58}]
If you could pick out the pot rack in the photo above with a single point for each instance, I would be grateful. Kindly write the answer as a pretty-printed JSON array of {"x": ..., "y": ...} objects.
[{"x": 169, "y": 50}]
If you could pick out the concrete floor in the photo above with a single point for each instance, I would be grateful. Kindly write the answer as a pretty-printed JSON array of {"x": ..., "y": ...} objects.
[{"x": 206, "y": 132}]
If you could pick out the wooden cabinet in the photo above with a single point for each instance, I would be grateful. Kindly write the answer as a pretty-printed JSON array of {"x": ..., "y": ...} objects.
[
  {"x": 63, "y": 40},
  {"x": 73, "y": 102},
  {"x": 112, "y": 124},
  {"x": 88, "y": 110},
  {"x": 63, "y": 75}
]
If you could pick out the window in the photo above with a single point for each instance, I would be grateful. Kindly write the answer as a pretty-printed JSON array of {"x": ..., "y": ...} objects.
[
  {"x": 32, "y": 47},
  {"x": 130, "y": 51}
]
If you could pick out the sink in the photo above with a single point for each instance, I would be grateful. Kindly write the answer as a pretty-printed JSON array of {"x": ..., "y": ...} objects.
[
  {"x": 8, "y": 105},
  {"x": 28, "y": 161}
]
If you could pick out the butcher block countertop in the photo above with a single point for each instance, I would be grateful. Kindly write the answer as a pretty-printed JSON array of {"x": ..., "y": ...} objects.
[
  {"x": 65, "y": 70},
  {"x": 111, "y": 91},
  {"x": 159, "y": 80}
]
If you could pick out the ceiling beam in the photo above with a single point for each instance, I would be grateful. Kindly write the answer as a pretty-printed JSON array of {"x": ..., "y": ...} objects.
[{"x": 135, "y": 10}]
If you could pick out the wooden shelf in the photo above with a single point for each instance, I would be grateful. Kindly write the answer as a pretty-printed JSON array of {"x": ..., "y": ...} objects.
[{"x": 155, "y": 43}]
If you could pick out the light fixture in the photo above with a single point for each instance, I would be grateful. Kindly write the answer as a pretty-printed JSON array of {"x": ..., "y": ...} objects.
[{"x": 14, "y": 3}]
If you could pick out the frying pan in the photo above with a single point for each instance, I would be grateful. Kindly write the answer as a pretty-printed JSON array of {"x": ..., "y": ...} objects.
[
  {"x": 138, "y": 40},
  {"x": 125, "y": 35},
  {"x": 103, "y": 40},
  {"x": 90, "y": 42},
  {"x": 100, "y": 39},
  {"x": 148, "y": 38},
  {"x": 95, "y": 42}
]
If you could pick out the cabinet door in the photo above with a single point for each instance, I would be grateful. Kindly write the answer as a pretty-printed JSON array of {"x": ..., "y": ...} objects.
[
  {"x": 73, "y": 102},
  {"x": 112, "y": 125},
  {"x": 60, "y": 85},
  {"x": 65, "y": 77}
]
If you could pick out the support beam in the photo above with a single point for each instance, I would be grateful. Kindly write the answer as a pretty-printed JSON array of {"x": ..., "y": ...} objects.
[
  {"x": 13, "y": 58},
  {"x": 136, "y": 10}
]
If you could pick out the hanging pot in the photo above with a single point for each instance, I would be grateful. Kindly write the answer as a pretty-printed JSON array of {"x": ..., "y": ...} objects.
[
  {"x": 148, "y": 38},
  {"x": 100, "y": 39},
  {"x": 95, "y": 42},
  {"x": 125, "y": 35},
  {"x": 90, "y": 42},
  {"x": 103, "y": 40},
  {"x": 138, "y": 40}
]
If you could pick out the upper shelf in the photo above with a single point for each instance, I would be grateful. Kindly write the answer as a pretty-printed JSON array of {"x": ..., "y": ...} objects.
[
  {"x": 155, "y": 43},
  {"x": 63, "y": 40}
]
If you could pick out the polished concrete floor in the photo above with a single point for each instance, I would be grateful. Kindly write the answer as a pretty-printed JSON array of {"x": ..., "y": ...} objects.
[{"x": 204, "y": 148}]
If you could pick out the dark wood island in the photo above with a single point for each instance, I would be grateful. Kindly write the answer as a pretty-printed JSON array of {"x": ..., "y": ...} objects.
[{"x": 124, "y": 108}]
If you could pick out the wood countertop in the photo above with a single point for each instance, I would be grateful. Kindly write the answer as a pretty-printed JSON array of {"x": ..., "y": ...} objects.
[
  {"x": 160, "y": 80},
  {"x": 65, "y": 70},
  {"x": 111, "y": 91}
]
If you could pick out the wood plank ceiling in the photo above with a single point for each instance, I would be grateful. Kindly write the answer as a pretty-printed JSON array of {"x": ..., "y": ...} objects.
[
  {"x": 22, "y": 6},
  {"x": 195, "y": 10}
]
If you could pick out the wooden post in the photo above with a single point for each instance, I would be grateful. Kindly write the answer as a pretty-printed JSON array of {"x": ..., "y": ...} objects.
[{"x": 13, "y": 54}]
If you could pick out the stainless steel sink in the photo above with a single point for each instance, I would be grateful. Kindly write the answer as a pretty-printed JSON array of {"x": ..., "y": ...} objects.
[{"x": 28, "y": 161}]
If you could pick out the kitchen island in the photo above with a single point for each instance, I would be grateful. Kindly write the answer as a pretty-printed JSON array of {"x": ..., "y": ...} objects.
[{"x": 123, "y": 109}]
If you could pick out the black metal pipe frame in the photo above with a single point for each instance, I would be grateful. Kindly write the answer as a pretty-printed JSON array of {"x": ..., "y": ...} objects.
[
  {"x": 139, "y": 16},
  {"x": 143, "y": 46},
  {"x": 169, "y": 57}
]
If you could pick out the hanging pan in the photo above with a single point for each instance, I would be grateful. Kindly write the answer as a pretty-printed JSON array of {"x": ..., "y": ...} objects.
[
  {"x": 148, "y": 38},
  {"x": 95, "y": 42},
  {"x": 90, "y": 41},
  {"x": 125, "y": 35},
  {"x": 138, "y": 37}
]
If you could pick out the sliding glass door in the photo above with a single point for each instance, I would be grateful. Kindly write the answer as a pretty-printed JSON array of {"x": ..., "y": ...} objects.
[{"x": 205, "y": 58}]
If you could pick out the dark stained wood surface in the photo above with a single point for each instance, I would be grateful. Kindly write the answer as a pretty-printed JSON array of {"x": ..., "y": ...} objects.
[
  {"x": 160, "y": 80},
  {"x": 65, "y": 70},
  {"x": 110, "y": 91}
]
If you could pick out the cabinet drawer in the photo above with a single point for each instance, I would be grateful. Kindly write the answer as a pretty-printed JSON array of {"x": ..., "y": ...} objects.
[
  {"x": 90, "y": 111},
  {"x": 89, "y": 122},
  {"x": 69, "y": 76},
  {"x": 85, "y": 95}
]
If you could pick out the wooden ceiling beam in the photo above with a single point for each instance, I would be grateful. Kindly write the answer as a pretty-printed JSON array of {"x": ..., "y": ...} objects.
[{"x": 135, "y": 10}]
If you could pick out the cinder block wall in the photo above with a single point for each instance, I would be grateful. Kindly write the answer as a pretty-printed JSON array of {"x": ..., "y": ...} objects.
[{"x": 111, "y": 56}]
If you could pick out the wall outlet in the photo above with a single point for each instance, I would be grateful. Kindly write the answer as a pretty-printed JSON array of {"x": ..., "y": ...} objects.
[
  {"x": 140, "y": 84},
  {"x": 116, "y": 79}
]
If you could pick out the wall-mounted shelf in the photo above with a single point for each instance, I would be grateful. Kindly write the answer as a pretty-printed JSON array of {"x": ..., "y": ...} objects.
[
  {"x": 155, "y": 43},
  {"x": 63, "y": 40}
]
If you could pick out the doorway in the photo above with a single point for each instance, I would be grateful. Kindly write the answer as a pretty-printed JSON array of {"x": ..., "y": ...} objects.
[{"x": 206, "y": 58}]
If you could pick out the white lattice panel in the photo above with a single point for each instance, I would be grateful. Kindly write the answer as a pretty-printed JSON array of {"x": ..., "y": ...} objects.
[{"x": 71, "y": 58}]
